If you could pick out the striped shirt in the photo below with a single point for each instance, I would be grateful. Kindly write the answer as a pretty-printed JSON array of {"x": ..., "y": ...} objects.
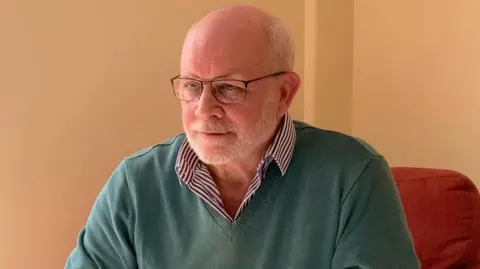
[{"x": 193, "y": 173}]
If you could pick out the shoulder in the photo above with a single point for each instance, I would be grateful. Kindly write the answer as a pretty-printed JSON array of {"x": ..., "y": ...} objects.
[
  {"x": 155, "y": 160},
  {"x": 337, "y": 155},
  {"x": 169, "y": 146},
  {"x": 331, "y": 142}
]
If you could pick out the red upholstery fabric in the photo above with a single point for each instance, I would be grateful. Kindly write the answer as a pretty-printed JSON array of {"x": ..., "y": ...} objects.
[{"x": 443, "y": 214}]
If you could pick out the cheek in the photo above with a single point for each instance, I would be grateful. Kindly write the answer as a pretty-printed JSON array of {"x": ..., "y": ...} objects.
[
  {"x": 188, "y": 114},
  {"x": 246, "y": 117}
]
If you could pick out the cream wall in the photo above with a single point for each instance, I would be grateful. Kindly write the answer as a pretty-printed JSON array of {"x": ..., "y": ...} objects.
[
  {"x": 82, "y": 84},
  {"x": 416, "y": 83},
  {"x": 328, "y": 64}
]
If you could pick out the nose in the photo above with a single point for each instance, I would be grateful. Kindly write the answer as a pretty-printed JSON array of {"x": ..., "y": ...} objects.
[{"x": 207, "y": 105}]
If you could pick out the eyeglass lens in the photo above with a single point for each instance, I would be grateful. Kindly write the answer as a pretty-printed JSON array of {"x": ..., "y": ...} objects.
[{"x": 225, "y": 91}]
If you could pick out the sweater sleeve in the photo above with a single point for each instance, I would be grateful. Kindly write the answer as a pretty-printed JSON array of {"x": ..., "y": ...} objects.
[
  {"x": 105, "y": 242},
  {"x": 373, "y": 232}
]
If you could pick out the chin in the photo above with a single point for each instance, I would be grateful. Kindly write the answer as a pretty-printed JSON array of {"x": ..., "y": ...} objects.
[
  {"x": 216, "y": 152},
  {"x": 212, "y": 142},
  {"x": 215, "y": 160},
  {"x": 215, "y": 156}
]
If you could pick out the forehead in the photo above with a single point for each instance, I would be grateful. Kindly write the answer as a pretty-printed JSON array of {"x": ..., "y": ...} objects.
[{"x": 218, "y": 50}]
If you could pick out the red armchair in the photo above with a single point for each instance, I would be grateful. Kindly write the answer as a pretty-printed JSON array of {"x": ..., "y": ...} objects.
[{"x": 443, "y": 214}]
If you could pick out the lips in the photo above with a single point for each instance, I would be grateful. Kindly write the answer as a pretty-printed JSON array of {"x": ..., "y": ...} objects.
[
  {"x": 211, "y": 132},
  {"x": 214, "y": 134}
]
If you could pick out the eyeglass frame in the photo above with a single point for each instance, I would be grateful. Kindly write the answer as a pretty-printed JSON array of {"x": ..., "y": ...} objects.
[{"x": 203, "y": 82}]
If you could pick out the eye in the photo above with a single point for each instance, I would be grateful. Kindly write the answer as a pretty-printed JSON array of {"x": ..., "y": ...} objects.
[
  {"x": 229, "y": 91},
  {"x": 227, "y": 87},
  {"x": 191, "y": 85}
]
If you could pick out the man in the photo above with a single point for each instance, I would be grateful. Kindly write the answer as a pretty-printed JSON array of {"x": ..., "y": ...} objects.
[{"x": 245, "y": 186}]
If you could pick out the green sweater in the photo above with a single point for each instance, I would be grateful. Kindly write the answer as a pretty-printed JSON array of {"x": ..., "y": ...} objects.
[{"x": 336, "y": 207}]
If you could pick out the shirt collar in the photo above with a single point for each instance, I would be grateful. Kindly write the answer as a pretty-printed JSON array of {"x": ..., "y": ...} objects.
[{"x": 281, "y": 150}]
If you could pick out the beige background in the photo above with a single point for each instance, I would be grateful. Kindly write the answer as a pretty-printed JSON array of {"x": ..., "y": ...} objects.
[
  {"x": 82, "y": 84},
  {"x": 416, "y": 85}
]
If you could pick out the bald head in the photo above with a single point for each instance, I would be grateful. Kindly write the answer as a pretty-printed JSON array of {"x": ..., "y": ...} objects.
[
  {"x": 231, "y": 45},
  {"x": 239, "y": 37},
  {"x": 242, "y": 13}
]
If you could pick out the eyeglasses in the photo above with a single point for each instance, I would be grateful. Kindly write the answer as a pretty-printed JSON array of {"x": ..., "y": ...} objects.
[{"x": 225, "y": 91}]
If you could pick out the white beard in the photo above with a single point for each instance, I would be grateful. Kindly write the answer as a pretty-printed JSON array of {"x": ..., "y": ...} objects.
[{"x": 245, "y": 143}]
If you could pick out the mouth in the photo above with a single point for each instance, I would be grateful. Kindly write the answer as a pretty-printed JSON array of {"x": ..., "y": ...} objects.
[{"x": 214, "y": 134}]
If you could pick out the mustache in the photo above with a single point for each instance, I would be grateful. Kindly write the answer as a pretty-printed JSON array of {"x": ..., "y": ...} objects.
[{"x": 212, "y": 126}]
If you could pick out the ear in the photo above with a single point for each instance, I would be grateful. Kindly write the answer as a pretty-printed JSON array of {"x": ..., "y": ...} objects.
[{"x": 290, "y": 84}]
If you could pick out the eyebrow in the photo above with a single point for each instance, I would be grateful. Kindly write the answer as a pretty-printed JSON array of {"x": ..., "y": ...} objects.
[{"x": 224, "y": 76}]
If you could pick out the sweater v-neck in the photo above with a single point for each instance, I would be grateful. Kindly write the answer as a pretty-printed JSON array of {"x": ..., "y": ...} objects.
[{"x": 262, "y": 198}]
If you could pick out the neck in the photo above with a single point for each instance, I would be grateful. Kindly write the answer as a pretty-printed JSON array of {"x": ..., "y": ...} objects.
[
  {"x": 241, "y": 170},
  {"x": 233, "y": 179}
]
